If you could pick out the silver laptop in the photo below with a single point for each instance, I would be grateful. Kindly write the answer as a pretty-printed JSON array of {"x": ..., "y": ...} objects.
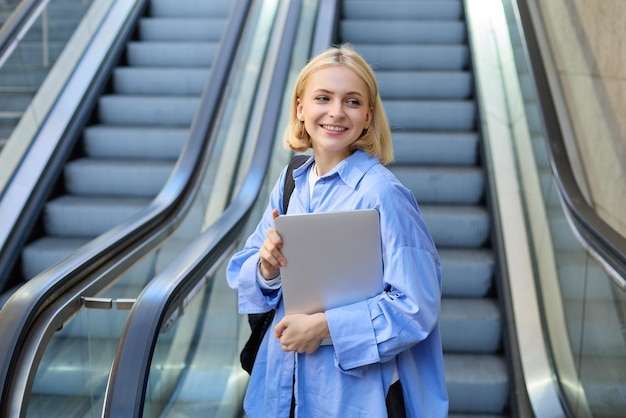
[{"x": 333, "y": 259}]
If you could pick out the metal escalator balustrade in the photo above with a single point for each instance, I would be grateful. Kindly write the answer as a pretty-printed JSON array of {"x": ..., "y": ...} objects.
[{"x": 422, "y": 59}]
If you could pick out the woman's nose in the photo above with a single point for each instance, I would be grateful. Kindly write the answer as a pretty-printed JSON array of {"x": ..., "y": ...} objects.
[{"x": 336, "y": 109}]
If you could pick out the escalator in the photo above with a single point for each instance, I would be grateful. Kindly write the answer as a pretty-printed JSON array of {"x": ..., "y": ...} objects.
[
  {"x": 496, "y": 359},
  {"x": 422, "y": 57},
  {"x": 437, "y": 142},
  {"x": 180, "y": 343},
  {"x": 159, "y": 101},
  {"x": 126, "y": 152},
  {"x": 141, "y": 122},
  {"x": 585, "y": 284}
]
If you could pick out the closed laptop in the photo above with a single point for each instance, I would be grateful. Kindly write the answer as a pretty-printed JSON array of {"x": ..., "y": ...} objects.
[{"x": 333, "y": 259}]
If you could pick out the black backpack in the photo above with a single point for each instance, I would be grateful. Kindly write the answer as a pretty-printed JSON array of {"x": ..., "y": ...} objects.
[{"x": 260, "y": 322}]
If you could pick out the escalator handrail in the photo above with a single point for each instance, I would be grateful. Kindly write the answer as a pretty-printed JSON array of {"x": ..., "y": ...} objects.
[
  {"x": 327, "y": 25},
  {"x": 127, "y": 242},
  {"x": 167, "y": 292},
  {"x": 604, "y": 242},
  {"x": 20, "y": 20}
]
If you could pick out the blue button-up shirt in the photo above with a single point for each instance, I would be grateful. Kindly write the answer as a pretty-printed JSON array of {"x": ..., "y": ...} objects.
[{"x": 395, "y": 330}]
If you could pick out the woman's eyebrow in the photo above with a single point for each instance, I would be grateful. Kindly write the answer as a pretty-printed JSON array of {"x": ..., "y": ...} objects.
[{"x": 349, "y": 93}]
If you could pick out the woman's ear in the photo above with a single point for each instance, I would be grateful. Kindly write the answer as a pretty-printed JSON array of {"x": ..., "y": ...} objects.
[
  {"x": 299, "y": 110},
  {"x": 368, "y": 119}
]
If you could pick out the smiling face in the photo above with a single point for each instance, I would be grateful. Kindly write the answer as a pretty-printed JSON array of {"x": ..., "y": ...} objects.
[{"x": 335, "y": 110}]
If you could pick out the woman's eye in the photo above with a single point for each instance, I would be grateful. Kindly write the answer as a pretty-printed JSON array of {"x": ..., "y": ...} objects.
[
  {"x": 321, "y": 98},
  {"x": 353, "y": 102}
]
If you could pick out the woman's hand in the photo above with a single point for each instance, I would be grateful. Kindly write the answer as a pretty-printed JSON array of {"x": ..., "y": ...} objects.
[
  {"x": 302, "y": 333},
  {"x": 271, "y": 257}
]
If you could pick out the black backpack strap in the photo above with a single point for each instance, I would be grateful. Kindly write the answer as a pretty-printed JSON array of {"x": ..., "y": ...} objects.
[{"x": 295, "y": 162}]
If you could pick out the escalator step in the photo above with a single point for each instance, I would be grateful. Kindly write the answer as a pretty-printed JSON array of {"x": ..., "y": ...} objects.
[
  {"x": 190, "y": 8},
  {"x": 420, "y": 85},
  {"x": 418, "y": 10},
  {"x": 476, "y": 383},
  {"x": 58, "y": 28},
  {"x": 466, "y": 273},
  {"x": 470, "y": 325},
  {"x": 146, "y": 110},
  {"x": 87, "y": 217},
  {"x": 457, "y": 226},
  {"x": 415, "y": 57},
  {"x": 181, "y": 29},
  {"x": 14, "y": 102},
  {"x": 171, "y": 54},
  {"x": 66, "y": 9},
  {"x": 91, "y": 177},
  {"x": 163, "y": 143},
  {"x": 32, "y": 51},
  {"x": 429, "y": 115},
  {"x": 23, "y": 75},
  {"x": 44, "y": 252},
  {"x": 443, "y": 185},
  {"x": 159, "y": 81},
  {"x": 431, "y": 148},
  {"x": 403, "y": 31}
]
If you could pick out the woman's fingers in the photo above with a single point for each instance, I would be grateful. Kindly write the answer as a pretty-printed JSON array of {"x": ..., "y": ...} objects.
[
  {"x": 301, "y": 333},
  {"x": 271, "y": 257},
  {"x": 269, "y": 261}
]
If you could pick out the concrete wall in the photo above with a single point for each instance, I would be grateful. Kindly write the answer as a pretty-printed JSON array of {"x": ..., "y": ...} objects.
[{"x": 588, "y": 41}]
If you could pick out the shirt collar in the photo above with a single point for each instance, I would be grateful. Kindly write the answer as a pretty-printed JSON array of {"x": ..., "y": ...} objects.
[{"x": 351, "y": 170}]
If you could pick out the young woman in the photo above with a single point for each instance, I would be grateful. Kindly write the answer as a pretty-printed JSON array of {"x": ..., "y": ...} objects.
[{"x": 387, "y": 344}]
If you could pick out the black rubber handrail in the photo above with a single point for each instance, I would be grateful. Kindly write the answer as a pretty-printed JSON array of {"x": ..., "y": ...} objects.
[
  {"x": 166, "y": 292},
  {"x": 96, "y": 265},
  {"x": 604, "y": 242}
]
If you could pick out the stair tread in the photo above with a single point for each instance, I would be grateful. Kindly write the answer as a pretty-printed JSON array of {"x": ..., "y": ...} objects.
[{"x": 106, "y": 141}]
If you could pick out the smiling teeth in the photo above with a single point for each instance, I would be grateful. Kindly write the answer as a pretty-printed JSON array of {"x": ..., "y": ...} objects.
[{"x": 334, "y": 128}]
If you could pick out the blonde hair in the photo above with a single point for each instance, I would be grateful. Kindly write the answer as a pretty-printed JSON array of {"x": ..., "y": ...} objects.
[{"x": 376, "y": 140}]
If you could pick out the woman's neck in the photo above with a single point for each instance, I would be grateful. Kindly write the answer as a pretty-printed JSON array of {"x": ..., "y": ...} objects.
[{"x": 324, "y": 162}]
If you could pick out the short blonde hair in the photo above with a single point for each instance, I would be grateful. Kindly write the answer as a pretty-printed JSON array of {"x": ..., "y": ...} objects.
[{"x": 376, "y": 140}]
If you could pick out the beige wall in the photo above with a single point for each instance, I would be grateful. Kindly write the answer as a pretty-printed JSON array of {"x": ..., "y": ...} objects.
[{"x": 588, "y": 40}]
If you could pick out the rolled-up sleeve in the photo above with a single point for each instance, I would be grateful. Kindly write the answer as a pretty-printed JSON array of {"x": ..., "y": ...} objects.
[
  {"x": 353, "y": 336},
  {"x": 407, "y": 312}
]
